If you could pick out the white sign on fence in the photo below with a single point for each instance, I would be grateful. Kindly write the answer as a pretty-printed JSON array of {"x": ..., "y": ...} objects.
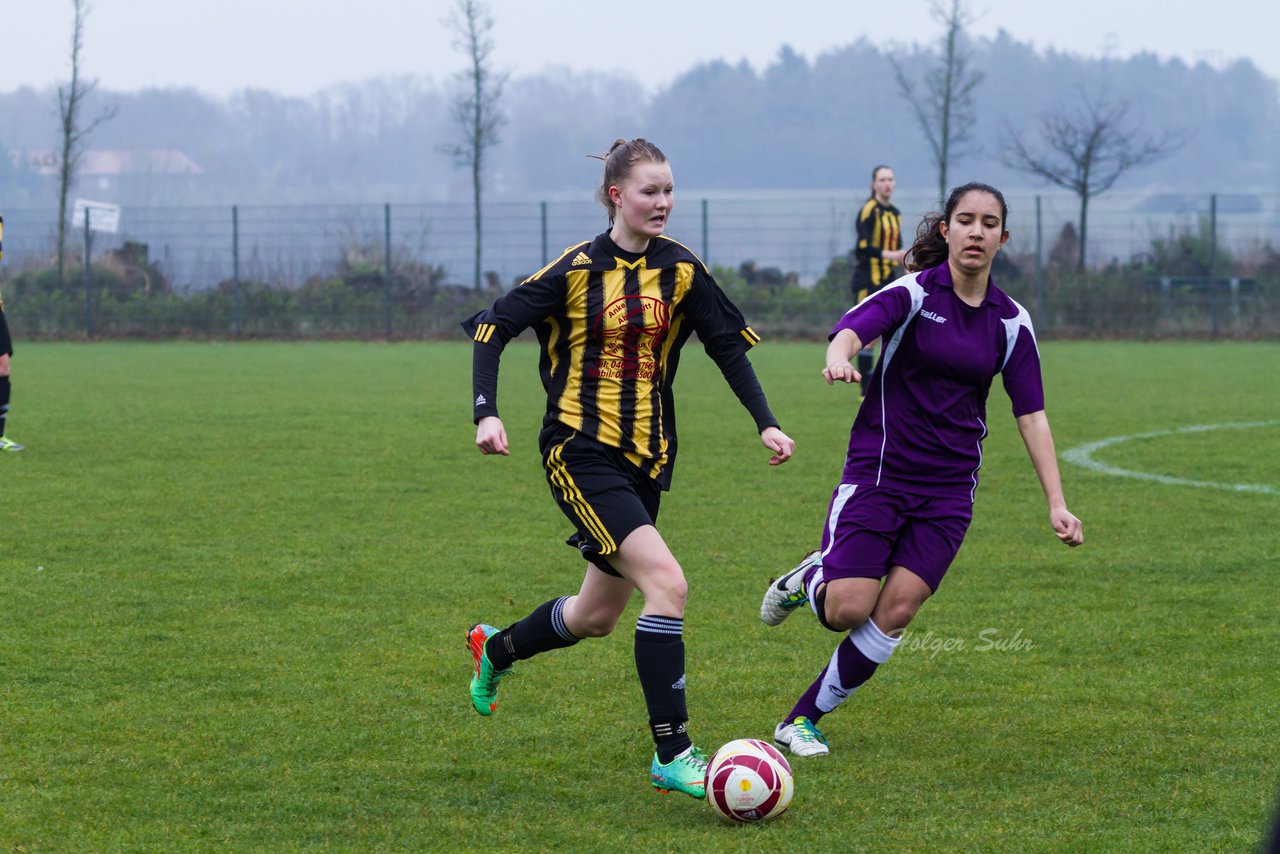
[{"x": 102, "y": 215}]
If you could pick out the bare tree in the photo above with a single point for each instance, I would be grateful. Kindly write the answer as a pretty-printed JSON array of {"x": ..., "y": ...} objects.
[
  {"x": 476, "y": 108},
  {"x": 945, "y": 108},
  {"x": 1085, "y": 150},
  {"x": 74, "y": 133}
]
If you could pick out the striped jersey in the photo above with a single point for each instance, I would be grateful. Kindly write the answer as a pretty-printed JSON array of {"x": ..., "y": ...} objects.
[
  {"x": 879, "y": 230},
  {"x": 921, "y": 426},
  {"x": 610, "y": 325},
  {"x": 6, "y": 342}
]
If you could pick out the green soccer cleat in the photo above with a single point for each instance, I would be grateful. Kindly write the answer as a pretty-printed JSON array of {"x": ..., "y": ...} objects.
[
  {"x": 7, "y": 444},
  {"x": 485, "y": 679},
  {"x": 686, "y": 773}
]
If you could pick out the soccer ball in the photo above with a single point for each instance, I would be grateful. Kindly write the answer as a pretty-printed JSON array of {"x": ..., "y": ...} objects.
[{"x": 749, "y": 780}]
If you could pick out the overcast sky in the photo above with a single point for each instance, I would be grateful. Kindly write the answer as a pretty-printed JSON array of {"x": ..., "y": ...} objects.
[{"x": 300, "y": 46}]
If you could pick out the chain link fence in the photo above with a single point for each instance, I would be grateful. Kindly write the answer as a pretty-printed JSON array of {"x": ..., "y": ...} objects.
[{"x": 1155, "y": 264}]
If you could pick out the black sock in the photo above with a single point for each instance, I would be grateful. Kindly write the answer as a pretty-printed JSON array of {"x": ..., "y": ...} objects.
[
  {"x": 866, "y": 361},
  {"x": 820, "y": 608},
  {"x": 660, "y": 664},
  {"x": 541, "y": 631},
  {"x": 4, "y": 401}
]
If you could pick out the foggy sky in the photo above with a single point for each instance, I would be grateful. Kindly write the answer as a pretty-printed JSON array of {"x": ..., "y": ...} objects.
[{"x": 300, "y": 46}]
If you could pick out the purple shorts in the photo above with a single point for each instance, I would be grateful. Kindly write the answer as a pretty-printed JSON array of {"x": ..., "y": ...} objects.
[{"x": 871, "y": 529}]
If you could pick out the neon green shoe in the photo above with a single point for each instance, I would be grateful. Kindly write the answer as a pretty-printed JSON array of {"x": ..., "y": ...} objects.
[
  {"x": 484, "y": 681},
  {"x": 7, "y": 444},
  {"x": 686, "y": 773}
]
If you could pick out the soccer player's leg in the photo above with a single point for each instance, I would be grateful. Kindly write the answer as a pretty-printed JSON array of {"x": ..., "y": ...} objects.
[
  {"x": 588, "y": 487},
  {"x": 796, "y": 587},
  {"x": 554, "y": 624},
  {"x": 646, "y": 561},
  {"x": 854, "y": 661},
  {"x": 842, "y": 591},
  {"x": 6, "y": 444},
  {"x": 926, "y": 534},
  {"x": 857, "y": 656}
]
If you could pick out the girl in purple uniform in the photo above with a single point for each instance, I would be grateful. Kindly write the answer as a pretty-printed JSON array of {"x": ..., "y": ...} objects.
[{"x": 901, "y": 509}]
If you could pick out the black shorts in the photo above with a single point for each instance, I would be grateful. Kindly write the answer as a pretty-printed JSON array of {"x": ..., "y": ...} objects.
[
  {"x": 6, "y": 343},
  {"x": 861, "y": 286},
  {"x": 604, "y": 494}
]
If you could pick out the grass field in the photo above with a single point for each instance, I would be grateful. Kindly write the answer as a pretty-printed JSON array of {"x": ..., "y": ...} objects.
[{"x": 234, "y": 581}]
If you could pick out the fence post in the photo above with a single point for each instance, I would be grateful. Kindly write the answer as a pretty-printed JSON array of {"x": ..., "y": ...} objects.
[
  {"x": 706, "y": 250},
  {"x": 1213, "y": 262},
  {"x": 237, "y": 309},
  {"x": 543, "y": 206},
  {"x": 386, "y": 236},
  {"x": 88, "y": 299},
  {"x": 1040, "y": 316}
]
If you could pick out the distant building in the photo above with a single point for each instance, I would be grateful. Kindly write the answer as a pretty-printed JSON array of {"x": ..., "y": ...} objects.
[{"x": 105, "y": 168}]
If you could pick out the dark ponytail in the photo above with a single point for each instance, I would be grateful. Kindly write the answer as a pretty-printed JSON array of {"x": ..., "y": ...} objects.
[{"x": 930, "y": 248}]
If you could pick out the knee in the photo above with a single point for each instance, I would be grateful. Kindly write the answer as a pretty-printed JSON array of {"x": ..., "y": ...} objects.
[
  {"x": 586, "y": 618},
  {"x": 595, "y": 624},
  {"x": 667, "y": 590},
  {"x": 893, "y": 622},
  {"x": 844, "y": 613},
  {"x": 892, "y": 617}
]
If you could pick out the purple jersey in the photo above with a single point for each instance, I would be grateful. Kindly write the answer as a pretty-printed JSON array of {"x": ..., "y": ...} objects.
[{"x": 921, "y": 427}]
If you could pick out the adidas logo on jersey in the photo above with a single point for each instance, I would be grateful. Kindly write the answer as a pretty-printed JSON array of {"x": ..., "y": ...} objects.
[
  {"x": 580, "y": 259},
  {"x": 480, "y": 401}
]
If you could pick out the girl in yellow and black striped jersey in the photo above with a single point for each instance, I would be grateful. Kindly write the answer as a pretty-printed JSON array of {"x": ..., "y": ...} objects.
[
  {"x": 611, "y": 315},
  {"x": 878, "y": 252}
]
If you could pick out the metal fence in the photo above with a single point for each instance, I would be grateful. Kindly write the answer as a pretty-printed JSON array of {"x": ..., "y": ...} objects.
[{"x": 197, "y": 250}]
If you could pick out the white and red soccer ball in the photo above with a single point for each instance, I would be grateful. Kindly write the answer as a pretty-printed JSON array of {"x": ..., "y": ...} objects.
[{"x": 749, "y": 780}]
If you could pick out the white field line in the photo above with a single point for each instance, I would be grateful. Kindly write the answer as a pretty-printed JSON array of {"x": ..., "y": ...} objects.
[{"x": 1083, "y": 456}]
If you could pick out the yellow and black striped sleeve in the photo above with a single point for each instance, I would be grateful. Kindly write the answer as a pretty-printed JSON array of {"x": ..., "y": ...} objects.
[
  {"x": 726, "y": 337},
  {"x": 869, "y": 240},
  {"x": 492, "y": 328}
]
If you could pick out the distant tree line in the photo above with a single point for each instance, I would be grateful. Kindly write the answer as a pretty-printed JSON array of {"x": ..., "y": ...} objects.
[{"x": 797, "y": 123}]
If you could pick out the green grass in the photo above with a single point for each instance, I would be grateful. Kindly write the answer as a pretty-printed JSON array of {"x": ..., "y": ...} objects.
[{"x": 234, "y": 581}]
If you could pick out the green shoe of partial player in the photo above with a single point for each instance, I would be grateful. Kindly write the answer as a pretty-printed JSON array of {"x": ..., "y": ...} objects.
[
  {"x": 7, "y": 444},
  {"x": 485, "y": 678},
  {"x": 686, "y": 773}
]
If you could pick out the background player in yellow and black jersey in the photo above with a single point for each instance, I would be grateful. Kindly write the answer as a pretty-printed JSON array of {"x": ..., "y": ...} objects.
[
  {"x": 6, "y": 350},
  {"x": 877, "y": 251},
  {"x": 611, "y": 315}
]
